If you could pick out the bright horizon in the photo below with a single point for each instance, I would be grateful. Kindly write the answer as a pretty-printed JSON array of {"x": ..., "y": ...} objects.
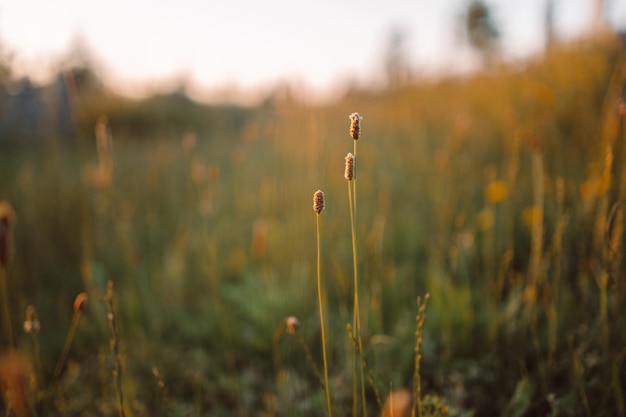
[{"x": 244, "y": 45}]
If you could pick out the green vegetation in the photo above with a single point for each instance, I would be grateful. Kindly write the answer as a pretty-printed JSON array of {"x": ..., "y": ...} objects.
[{"x": 498, "y": 194}]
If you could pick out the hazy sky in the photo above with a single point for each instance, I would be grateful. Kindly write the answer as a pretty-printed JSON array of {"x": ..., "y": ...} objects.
[{"x": 246, "y": 43}]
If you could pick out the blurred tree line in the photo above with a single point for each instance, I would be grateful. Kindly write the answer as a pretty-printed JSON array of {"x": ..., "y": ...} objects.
[{"x": 66, "y": 109}]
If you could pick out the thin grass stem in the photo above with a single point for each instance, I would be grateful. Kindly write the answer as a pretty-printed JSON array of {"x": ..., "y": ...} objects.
[
  {"x": 419, "y": 332},
  {"x": 6, "y": 315},
  {"x": 319, "y": 297},
  {"x": 114, "y": 344},
  {"x": 66, "y": 347}
]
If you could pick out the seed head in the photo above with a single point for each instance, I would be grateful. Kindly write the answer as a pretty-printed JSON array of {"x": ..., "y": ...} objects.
[
  {"x": 350, "y": 161},
  {"x": 80, "y": 302},
  {"x": 31, "y": 324},
  {"x": 355, "y": 125},
  {"x": 318, "y": 201},
  {"x": 292, "y": 325}
]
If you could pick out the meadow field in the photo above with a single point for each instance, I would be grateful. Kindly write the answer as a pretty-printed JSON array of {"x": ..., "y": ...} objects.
[{"x": 496, "y": 198}]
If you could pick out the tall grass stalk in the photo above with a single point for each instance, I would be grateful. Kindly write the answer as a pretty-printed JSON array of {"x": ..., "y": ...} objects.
[
  {"x": 350, "y": 175},
  {"x": 419, "y": 332},
  {"x": 602, "y": 279},
  {"x": 536, "y": 266},
  {"x": 6, "y": 315},
  {"x": 556, "y": 251},
  {"x": 7, "y": 223},
  {"x": 536, "y": 249},
  {"x": 114, "y": 345},
  {"x": 79, "y": 305},
  {"x": 363, "y": 363},
  {"x": 318, "y": 206},
  {"x": 31, "y": 327},
  {"x": 357, "y": 374}
]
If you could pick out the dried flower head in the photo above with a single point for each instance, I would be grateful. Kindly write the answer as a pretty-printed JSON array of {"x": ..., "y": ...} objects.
[
  {"x": 349, "y": 172},
  {"x": 31, "y": 324},
  {"x": 7, "y": 224},
  {"x": 292, "y": 324},
  {"x": 80, "y": 302},
  {"x": 355, "y": 125},
  {"x": 318, "y": 201}
]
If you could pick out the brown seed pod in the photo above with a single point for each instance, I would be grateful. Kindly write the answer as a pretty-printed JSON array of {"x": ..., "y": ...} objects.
[
  {"x": 80, "y": 302},
  {"x": 318, "y": 201},
  {"x": 355, "y": 125},
  {"x": 349, "y": 171}
]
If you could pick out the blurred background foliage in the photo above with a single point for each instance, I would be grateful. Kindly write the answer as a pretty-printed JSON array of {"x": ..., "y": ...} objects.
[{"x": 499, "y": 193}]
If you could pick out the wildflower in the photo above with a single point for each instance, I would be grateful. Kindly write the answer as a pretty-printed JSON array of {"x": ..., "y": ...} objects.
[
  {"x": 496, "y": 191},
  {"x": 530, "y": 215}
]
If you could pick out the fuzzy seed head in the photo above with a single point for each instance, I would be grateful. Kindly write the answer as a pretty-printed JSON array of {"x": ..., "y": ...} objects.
[
  {"x": 292, "y": 324},
  {"x": 80, "y": 302},
  {"x": 355, "y": 125},
  {"x": 31, "y": 324},
  {"x": 318, "y": 201},
  {"x": 350, "y": 161}
]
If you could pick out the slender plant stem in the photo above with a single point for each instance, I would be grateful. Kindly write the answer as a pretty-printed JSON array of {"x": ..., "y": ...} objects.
[
  {"x": 114, "y": 344},
  {"x": 354, "y": 179},
  {"x": 66, "y": 348},
  {"x": 6, "y": 317},
  {"x": 355, "y": 373},
  {"x": 37, "y": 358},
  {"x": 319, "y": 297},
  {"x": 419, "y": 332},
  {"x": 356, "y": 311},
  {"x": 309, "y": 358}
]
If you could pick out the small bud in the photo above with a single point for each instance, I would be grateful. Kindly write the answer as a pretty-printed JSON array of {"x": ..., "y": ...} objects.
[
  {"x": 292, "y": 324},
  {"x": 31, "y": 324},
  {"x": 80, "y": 302},
  {"x": 355, "y": 125},
  {"x": 349, "y": 172},
  {"x": 318, "y": 201}
]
